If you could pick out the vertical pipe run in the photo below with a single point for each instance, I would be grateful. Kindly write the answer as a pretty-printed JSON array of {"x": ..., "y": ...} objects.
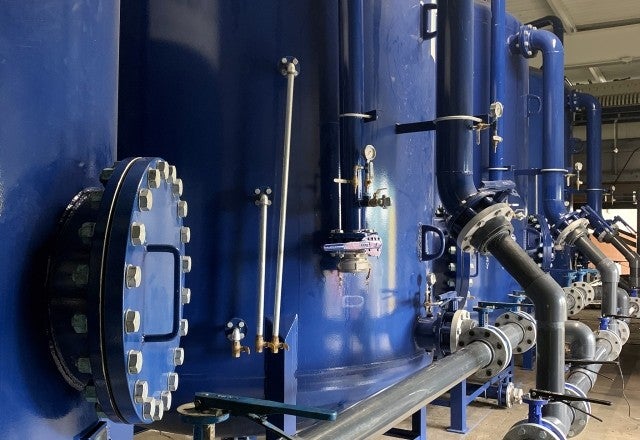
[
  {"x": 498, "y": 66},
  {"x": 351, "y": 101},
  {"x": 291, "y": 73},
  {"x": 263, "y": 202}
]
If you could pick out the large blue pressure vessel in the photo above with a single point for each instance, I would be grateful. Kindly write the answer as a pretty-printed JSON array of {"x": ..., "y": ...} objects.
[
  {"x": 201, "y": 87},
  {"x": 58, "y": 95}
]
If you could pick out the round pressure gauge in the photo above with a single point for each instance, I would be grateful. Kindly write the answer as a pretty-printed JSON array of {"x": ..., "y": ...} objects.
[{"x": 369, "y": 153}]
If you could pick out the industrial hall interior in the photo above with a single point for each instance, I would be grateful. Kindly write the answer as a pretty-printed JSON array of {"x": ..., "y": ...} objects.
[{"x": 319, "y": 219}]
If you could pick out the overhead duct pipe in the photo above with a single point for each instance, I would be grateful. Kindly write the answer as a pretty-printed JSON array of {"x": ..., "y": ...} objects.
[
  {"x": 569, "y": 230},
  {"x": 476, "y": 219},
  {"x": 379, "y": 412}
]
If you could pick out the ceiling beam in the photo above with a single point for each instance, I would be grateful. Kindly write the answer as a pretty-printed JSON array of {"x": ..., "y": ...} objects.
[
  {"x": 560, "y": 10},
  {"x": 602, "y": 47},
  {"x": 597, "y": 74}
]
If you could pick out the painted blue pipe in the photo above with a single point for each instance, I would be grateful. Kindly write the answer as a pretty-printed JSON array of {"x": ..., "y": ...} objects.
[
  {"x": 553, "y": 116},
  {"x": 593, "y": 110},
  {"x": 454, "y": 138},
  {"x": 498, "y": 67},
  {"x": 351, "y": 101}
]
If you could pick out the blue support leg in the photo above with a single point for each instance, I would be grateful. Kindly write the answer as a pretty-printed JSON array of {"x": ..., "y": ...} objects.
[
  {"x": 280, "y": 379},
  {"x": 458, "y": 408},
  {"x": 418, "y": 429}
]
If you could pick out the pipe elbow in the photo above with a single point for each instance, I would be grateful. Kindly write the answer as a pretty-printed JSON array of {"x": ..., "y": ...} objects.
[
  {"x": 547, "y": 42},
  {"x": 581, "y": 340},
  {"x": 548, "y": 298},
  {"x": 588, "y": 102},
  {"x": 608, "y": 270}
]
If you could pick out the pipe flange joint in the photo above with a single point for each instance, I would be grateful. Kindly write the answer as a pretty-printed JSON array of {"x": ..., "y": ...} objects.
[
  {"x": 587, "y": 288},
  {"x": 528, "y": 325},
  {"x": 460, "y": 323},
  {"x": 521, "y": 42},
  {"x": 580, "y": 410},
  {"x": 576, "y": 300},
  {"x": 623, "y": 330},
  {"x": 571, "y": 233},
  {"x": 479, "y": 220},
  {"x": 499, "y": 344},
  {"x": 525, "y": 430},
  {"x": 613, "y": 339},
  {"x": 634, "y": 307}
]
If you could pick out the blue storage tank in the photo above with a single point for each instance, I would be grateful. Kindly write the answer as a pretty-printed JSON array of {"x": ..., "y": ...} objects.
[
  {"x": 58, "y": 96},
  {"x": 200, "y": 86}
]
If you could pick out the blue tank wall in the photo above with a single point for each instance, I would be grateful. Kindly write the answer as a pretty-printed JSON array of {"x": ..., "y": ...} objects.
[
  {"x": 208, "y": 97},
  {"x": 58, "y": 94}
]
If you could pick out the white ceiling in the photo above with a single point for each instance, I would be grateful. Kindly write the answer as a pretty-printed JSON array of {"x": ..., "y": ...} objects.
[{"x": 602, "y": 41}]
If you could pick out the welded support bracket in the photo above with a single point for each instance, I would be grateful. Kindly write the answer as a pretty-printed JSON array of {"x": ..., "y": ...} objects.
[
  {"x": 418, "y": 429},
  {"x": 281, "y": 384}
]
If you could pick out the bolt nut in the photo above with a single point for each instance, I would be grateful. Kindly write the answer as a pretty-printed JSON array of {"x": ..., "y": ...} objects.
[
  {"x": 84, "y": 365},
  {"x": 105, "y": 175},
  {"x": 159, "y": 410},
  {"x": 150, "y": 409},
  {"x": 133, "y": 276},
  {"x": 178, "y": 356},
  {"x": 184, "y": 327},
  {"x": 79, "y": 323},
  {"x": 186, "y": 264},
  {"x": 134, "y": 361},
  {"x": 80, "y": 275},
  {"x": 163, "y": 167},
  {"x": 153, "y": 178},
  {"x": 141, "y": 391},
  {"x": 86, "y": 231},
  {"x": 177, "y": 187},
  {"x": 172, "y": 381},
  {"x": 145, "y": 199},
  {"x": 89, "y": 394},
  {"x": 185, "y": 234},
  {"x": 185, "y": 295},
  {"x": 138, "y": 233},
  {"x": 132, "y": 321},
  {"x": 183, "y": 209},
  {"x": 173, "y": 174},
  {"x": 452, "y": 250},
  {"x": 165, "y": 397},
  {"x": 452, "y": 267}
]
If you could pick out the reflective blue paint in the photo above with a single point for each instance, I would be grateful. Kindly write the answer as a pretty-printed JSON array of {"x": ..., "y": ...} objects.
[
  {"x": 212, "y": 102},
  {"x": 499, "y": 48},
  {"x": 58, "y": 127}
]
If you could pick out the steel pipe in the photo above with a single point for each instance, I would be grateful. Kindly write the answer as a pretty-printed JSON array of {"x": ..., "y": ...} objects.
[
  {"x": 608, "y": 273},
  {"x": 498, "y": 67},
  {"x": 377, "y": 413},
  {"x": 580, "y": 339},
  {"x": 263, "y": 202}
]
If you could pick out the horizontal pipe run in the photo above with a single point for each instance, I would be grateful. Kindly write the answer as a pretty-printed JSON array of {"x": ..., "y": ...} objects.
[{"x": 377, "y": 413}]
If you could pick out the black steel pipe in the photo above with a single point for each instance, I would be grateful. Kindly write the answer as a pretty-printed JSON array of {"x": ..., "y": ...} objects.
[
  {"x": 632, "y": 257},
  {"x": 550, "y": 20}
]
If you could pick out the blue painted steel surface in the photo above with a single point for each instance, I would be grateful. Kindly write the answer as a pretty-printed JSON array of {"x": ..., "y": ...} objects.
[
  {"x": 499, "y": 49},
  {"x": 210, "y": 99},
  {"x": 58, "y": 128}
]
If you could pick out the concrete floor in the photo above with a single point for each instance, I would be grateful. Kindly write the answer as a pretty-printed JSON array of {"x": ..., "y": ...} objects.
[{"x": 488, "y": 422}]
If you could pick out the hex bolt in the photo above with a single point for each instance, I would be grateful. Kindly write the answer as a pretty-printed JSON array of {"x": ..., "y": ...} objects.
[
  {"x": 173, "y": 174},
  {"x": 185, "y": 295},
  {"x": 172, "y": 381},
  {"x": 177, "y": 187},
  {"x": 452, "y": 250},
  {"x": 133, "y": 276},
  {"x": 79, "y": 323},
  {"x": 153, "y": 178},
  {"x": 145, "y": 199},
  {"x": 183, "y": 209},
  {"x": 163, "y": 168},
  {"x": 100, "y": 412},
  {"x": 105, "y": 175},
  {"x": 186, "y": 264},
  {"x": 149, "y": 408},
  {"x": 85, "y": 232},
  {"x": 452, "y": 267},
  {"x": 159, "y": 410},
  {"x": 185, "y": 234},
  {"x": 141, "y": 391},
  {"x": 165, "y": 396},
  {"x": 134, "y": 361},
  {"x": 84, "y": 365},
  {"x": 138, "y": 233},
  {"x": 89, "y": 394},
  {"x": 178, "y": 356},
  {"x": 80, "y": 275},
  {"x": 132, "y": 321},
  {"x": 184, "y": 327}
]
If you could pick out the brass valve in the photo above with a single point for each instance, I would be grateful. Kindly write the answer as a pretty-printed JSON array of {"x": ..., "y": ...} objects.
[{"x": 236, "y": 330}]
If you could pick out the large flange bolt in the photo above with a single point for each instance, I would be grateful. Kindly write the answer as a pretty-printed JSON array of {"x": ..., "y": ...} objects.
[
  {"x": 500, "y": 347},
  {"x": 528, "y": 325},
  {"x": 116, "y": 290}
]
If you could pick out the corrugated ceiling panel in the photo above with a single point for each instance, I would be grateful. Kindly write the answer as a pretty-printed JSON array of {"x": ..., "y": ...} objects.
[
  {"x": 589, "y": 12},
  {"x": 528, "y": 10}
]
